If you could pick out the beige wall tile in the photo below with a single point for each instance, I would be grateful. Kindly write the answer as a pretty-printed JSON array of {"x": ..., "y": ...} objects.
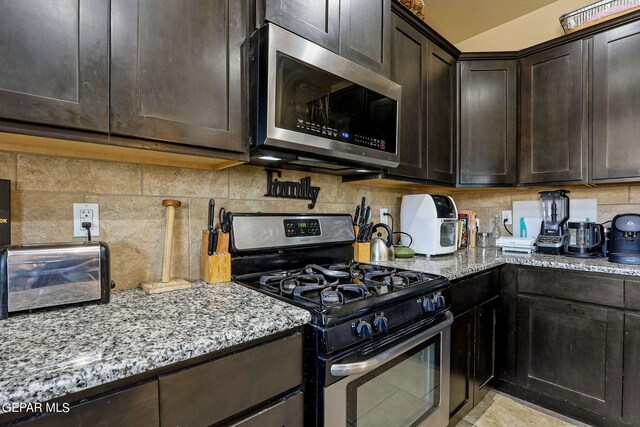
[
  {"x": 8, "y": 167},
  {"x": 134, "y": 228},
  {"x": 634, "y": 194},
  {"x": 180, "y": 182},
  {"x": 43, "y": 217},
  {"x": 607, "y": 212},
  {"x": 43, "y": 173},
  {"x": 605, "y": 195}
]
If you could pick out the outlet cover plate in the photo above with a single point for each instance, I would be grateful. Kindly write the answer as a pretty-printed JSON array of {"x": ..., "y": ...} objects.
[
  {"x": 508, "y": 216},
  {"x": 383, "y": 218},
  {"x": 85, "y": 212}
]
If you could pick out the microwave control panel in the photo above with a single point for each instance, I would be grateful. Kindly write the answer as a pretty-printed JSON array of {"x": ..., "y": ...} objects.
[
  {"x": 332, "y": 133},
  {"x": 302, "y": 227}
]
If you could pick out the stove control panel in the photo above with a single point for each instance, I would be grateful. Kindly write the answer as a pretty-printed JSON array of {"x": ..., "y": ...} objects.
[{"x": 302, "y": 227}]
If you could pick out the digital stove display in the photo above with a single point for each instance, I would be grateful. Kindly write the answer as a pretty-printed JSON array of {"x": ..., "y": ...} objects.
[{"x": 302, "y": 227}]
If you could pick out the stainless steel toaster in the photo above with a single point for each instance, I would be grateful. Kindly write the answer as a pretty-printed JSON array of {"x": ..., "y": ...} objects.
[{"x": 47, "y": 275}]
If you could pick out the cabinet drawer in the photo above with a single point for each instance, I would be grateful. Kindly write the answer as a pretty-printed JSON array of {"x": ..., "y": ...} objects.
[
  {"x": 216, "y": 390},
  {"x": 595, "y": 289},
  {"x": 487, "y": 286},
  {"x": 632, "y": 294},
  {"x": 133, "y": 407},
  {"x": 287, "y": 413},
  {"x": 462, "y": 296}
]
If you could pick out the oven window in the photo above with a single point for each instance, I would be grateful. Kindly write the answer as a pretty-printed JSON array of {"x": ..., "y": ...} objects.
[
  {"x": 315, "y": 102},
  {"x": 402, "y": 392},
  {"x": 448, "y": 234}
]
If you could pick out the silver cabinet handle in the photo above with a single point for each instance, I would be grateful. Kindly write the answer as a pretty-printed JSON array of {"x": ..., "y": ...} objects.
[{"x": 346, "y": 369}]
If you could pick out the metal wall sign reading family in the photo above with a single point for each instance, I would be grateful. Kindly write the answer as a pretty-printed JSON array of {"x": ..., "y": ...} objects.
[{"x": 302, "y": 190}]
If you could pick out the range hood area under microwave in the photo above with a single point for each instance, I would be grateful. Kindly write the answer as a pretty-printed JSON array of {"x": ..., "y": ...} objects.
[{"x": 311, "y": 109}]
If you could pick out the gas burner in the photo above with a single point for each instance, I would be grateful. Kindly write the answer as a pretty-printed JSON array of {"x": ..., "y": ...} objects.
[
  {"x": 333, "y": 294},
  {"x": 357, "y": 270}
]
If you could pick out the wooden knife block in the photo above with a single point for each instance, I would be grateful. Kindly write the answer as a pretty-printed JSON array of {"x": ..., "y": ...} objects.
[
  {"x": 361, "y": 251},
  {"x": 217, "y": 267}
]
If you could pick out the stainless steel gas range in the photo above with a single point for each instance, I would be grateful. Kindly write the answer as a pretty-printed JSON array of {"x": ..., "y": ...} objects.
[{"x": 377, "y": 349}]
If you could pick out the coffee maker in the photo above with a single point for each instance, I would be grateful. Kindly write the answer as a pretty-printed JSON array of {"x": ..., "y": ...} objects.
[
  {"x": 624, "y": 243},
  {"x": 553, "y": 231}
]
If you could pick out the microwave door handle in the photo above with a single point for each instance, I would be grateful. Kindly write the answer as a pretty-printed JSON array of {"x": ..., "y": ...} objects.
[{"x": 346, "y": 369}]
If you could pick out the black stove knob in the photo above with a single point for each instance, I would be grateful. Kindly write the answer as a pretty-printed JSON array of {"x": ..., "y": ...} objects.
[
  {"x": 363, "y": 330},
  {"x": 439, "y": 301},
  {"x": 380, "y": 323},
  {"x": 428, "y": 305}
]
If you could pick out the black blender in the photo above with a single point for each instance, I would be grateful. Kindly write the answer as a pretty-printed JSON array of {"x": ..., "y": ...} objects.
[{"x": 553, "y": 231}]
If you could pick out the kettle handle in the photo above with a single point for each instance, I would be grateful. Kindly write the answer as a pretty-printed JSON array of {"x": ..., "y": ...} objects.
[
  {"x": 600, "y": 233},
  {"x": 390, "y": 234}
]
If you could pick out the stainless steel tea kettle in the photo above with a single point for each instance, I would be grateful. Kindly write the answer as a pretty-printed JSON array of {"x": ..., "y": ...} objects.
[{"x": 381, "y": 249}]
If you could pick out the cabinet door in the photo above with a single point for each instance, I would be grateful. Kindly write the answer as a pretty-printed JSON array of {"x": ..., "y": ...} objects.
[
  {"x": 176, "y": 71},
  {"x": 487, "y": 315},
  {"x": 552, "y": 138},
  {"x": 616, "y": 103},
  {"x": 461, "y": 385},
  {"x": 488, "y": 122},
  {"x": 440, "y": 113},
  {"x": 572, "y": 352},
  {"x": 317, "y": 21},
  {"x": 631, "y": 368},
  {"x": 365, "y": 33},
  {"x": 55, "y": 62},
  {"x": 409, "y": 69}
]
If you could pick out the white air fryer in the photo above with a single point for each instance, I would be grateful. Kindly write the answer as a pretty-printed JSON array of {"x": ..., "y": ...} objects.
[{"x": 432, "y": 222}]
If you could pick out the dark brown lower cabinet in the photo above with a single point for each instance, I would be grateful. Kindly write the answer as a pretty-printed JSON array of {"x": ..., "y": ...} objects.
[
  {"x": 258, "y": 386},
  {"x": 215, "y": 391},
  {"x": 476, "y": 305},
  {"x": 487, "y": 315},
  {"x": 631, "y": 403},
  {"x": 571, "y": 351},
  {"x": 133, "y": 407},
  {"x": 461, "y": 386}
]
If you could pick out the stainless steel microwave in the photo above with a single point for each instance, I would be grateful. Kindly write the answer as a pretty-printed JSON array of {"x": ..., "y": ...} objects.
[{"x": 312, "y": 109}]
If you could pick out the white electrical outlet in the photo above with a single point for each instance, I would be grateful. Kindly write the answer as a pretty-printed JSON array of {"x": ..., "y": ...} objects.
[
  {"x": 86, "y": 212},
  {"x": 383, "y": 218},
  {"x": 508, "y": 216}
]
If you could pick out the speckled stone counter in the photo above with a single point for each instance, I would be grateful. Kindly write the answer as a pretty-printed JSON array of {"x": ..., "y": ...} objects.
[
  {"x": 57, "y": 352},
  {"x": 465, "y": 262}
]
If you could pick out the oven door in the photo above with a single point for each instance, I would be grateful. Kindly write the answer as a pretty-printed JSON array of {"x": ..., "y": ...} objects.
[{"x": 405, "y": 385}]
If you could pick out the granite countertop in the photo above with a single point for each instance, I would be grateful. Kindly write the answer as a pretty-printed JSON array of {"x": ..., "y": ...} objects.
[
  {"x": 53, "y": 353},
  {"x": 469, "y": 261}
]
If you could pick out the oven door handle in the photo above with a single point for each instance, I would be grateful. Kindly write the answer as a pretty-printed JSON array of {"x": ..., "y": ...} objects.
[{"x": 346, "y": 369}]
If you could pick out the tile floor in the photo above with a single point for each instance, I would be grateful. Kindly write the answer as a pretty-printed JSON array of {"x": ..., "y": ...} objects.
[{"x": 501, "y": 410}]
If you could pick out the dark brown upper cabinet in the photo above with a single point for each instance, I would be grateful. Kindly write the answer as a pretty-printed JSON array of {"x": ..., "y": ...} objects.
[
  {"x": 553, "y": 145},
  {"x": 409, "y": 69},
  {"x": 317, "y": 21},
  {"x": 441, "y": 115},
  {"x": 616, "y": 104},
  {"x": 488, "y": 122},
  {"x": 176, "y": 71},
  {"x": 365, "y": 33},
  {"x": 55, "y": 62}
]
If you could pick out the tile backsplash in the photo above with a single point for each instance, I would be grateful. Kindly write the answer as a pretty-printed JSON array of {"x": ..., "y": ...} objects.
[
  {"x": 132, "y": 219},
  {"x": 612, "y": 199}
]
